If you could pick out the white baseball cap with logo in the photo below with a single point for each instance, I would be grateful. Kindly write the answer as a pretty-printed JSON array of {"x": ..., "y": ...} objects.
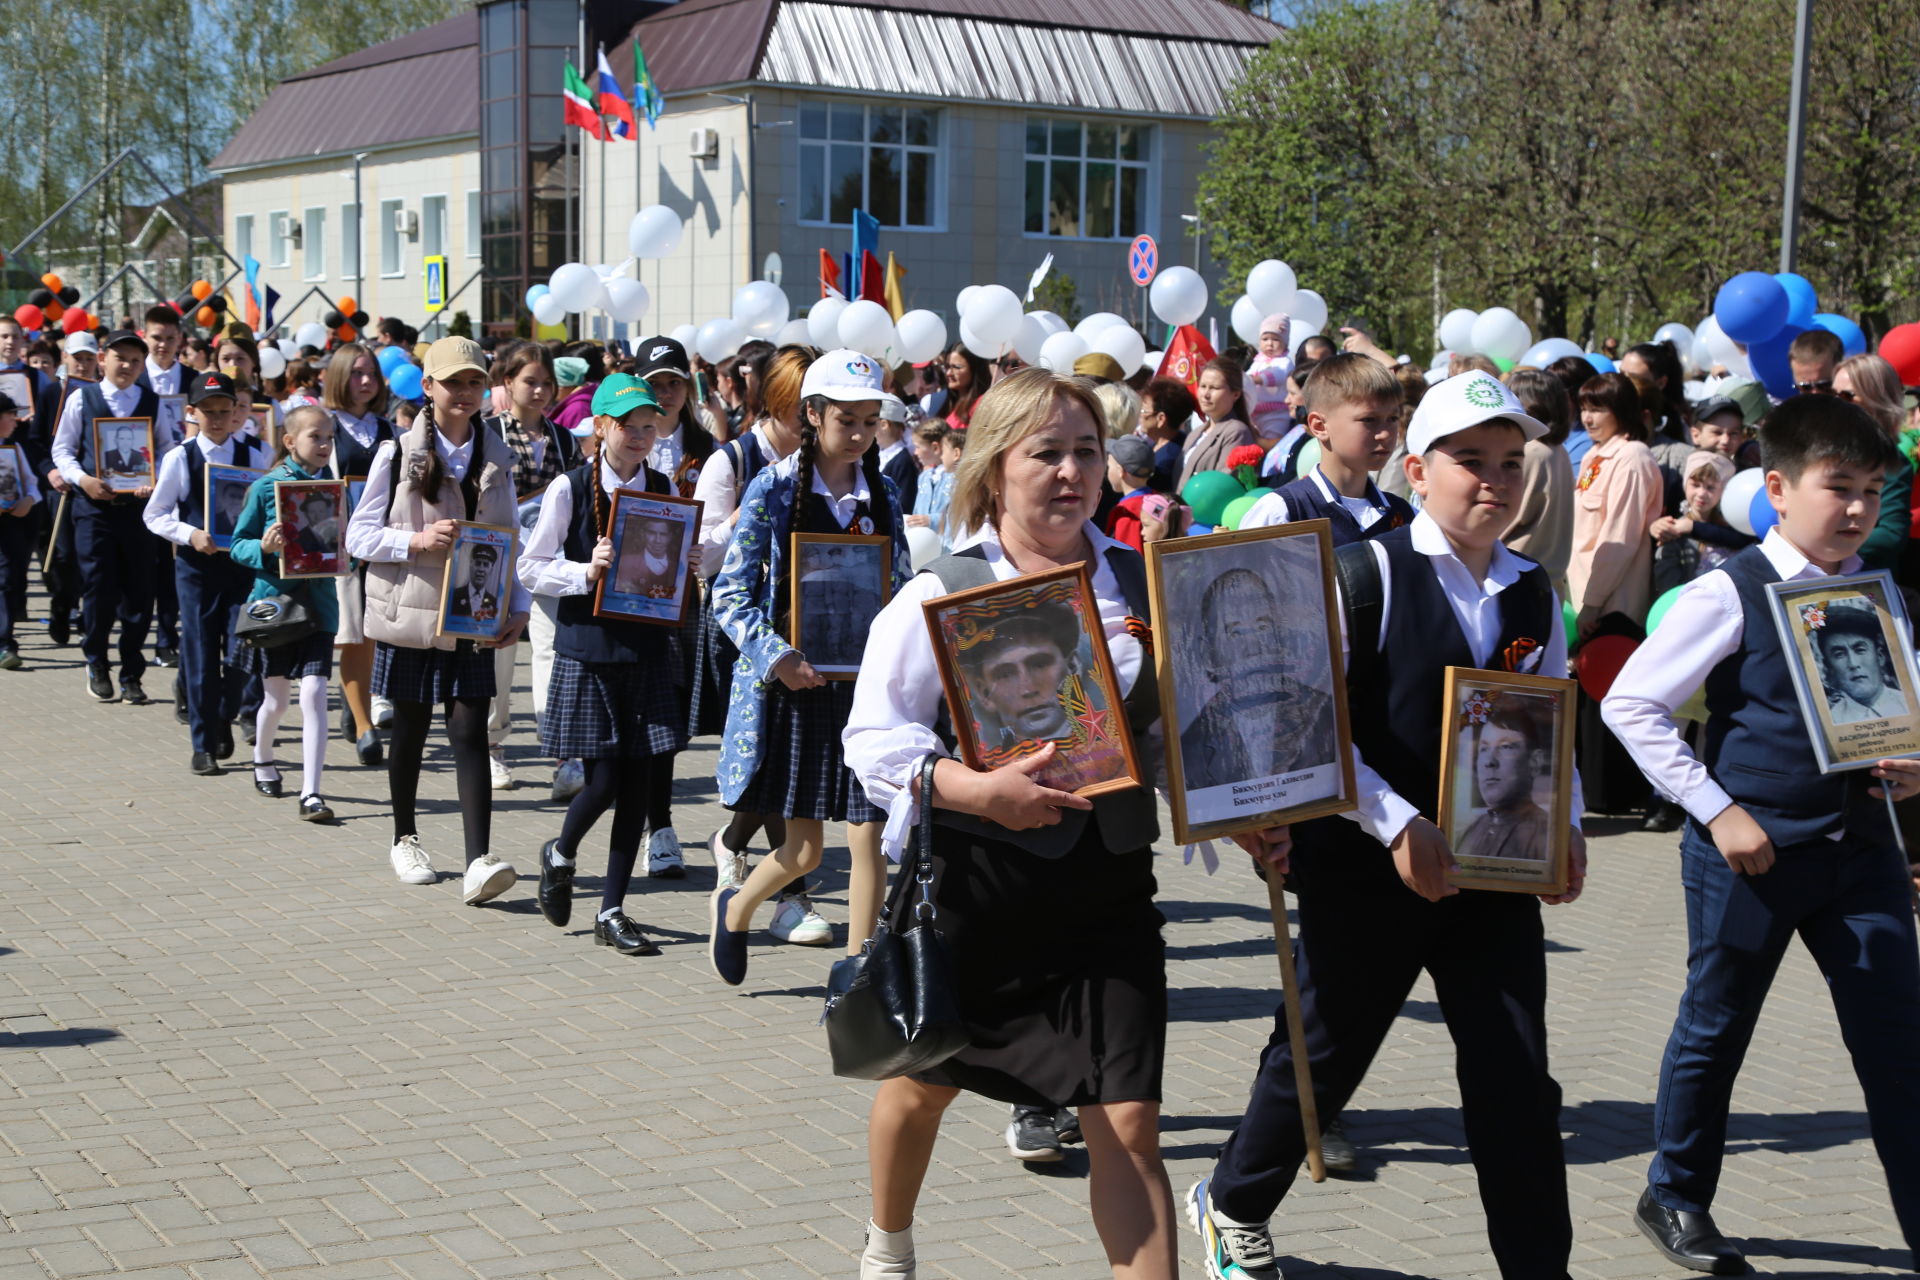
[
  {"x": 1463, "y": 401},
  {"x": 81, "y": 341},
  {"x": 845, "y": 375}
]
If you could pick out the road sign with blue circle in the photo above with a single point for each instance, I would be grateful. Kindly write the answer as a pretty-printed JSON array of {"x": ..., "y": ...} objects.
[{"x": 1143, "y": 259}]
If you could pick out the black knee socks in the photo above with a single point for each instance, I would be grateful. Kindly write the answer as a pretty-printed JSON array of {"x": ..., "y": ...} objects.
[
  {"x": 659, "y": 809},
  {"x": 625, "y": 785},
  {"x": 466, "y": 721}
]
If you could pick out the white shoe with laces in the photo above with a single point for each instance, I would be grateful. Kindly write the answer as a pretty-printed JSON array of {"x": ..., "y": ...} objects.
[
  {"x": 486, "y": 879},
  {"x": 888, "y": 1255},
  {"x": 498, "y": 774},
  {"x": 568, "y": 780},
  {"x": 729, "y": 868},
  {"x": 1234, "y": 1250},
  {"x": 410, "y": 862},
  {"x": 795, "y": 920},
  {"x": 664, "y": 860}
]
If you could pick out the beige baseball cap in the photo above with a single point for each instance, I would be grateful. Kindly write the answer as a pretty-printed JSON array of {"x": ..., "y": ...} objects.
[{"x": 450, "y": 355}]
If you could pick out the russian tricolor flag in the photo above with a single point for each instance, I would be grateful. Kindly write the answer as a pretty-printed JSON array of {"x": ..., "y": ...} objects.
[{"x": 613, "y": 102}]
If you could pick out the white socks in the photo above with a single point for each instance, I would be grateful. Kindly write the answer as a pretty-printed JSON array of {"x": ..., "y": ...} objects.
[
  {"x": 559, "y": 859},
  {"x": 888, "y": 1255},
  {"x": 313, "y": 732}
]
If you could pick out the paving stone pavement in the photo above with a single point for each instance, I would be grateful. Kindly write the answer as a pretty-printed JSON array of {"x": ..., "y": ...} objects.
[{"x": 231, "y": 1045}]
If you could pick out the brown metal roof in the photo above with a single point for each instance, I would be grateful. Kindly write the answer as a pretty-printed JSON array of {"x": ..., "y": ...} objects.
[
  {"x": 1177, "y": 19},
  {"x": 698, "y": 43},
  {"x": 423, "y": 85}
]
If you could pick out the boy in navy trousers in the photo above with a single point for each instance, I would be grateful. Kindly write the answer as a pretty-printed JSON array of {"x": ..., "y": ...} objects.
[
  {"x": 1773, "y": 847},
  {"x": 1376, "y": 907}
]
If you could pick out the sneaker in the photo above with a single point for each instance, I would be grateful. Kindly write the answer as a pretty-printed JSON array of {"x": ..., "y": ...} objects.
[
  {"x": 729, "y": 868},
  {"x": 131, "y": 693},
  {"x": 1336, "y": 1149},
  {"x": 100, "y": 685},
  {"x": 726, "y": 948},
  {"x": 795, "y": 920},
  {"x": 165, "y": 657},
  {"x": 410, "y": 861},
  {"x": 1066, "y": 1126},
  {"x": 568, "y": 780},
  {"x": 1235, "y": 1250},
  {"x": 663, "y": 855},
  {"x": 486, "y": 879},
  {"x": 1031, "y": 1135},
  {"x": 382, "y": 712},
  {"x": 10, "y": 659},
  {"x": 498, "y": 775},
  {"x": 888, "y": 1255}
]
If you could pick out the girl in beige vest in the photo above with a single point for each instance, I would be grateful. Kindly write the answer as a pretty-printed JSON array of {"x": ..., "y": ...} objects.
[{"x": 442, "y": 470}]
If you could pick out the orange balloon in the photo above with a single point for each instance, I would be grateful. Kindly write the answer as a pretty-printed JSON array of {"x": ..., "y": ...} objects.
[
  {"x": 52, "y": 282},
  {"x": 205, "y": 317},
  {"x": 54, "y": 309},
  {"x": 346, "y": 333},
  {"x": 348, "y": 306},
  {"x": 202, "y": 290}
]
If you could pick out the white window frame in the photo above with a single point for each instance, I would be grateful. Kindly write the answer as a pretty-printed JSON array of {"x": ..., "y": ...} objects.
[
  {"x": 807, "y": 147},
  {"x": 280, "y": 238},
  {"x": 351, "y": 240},
  {"x": 1149, "y": 170},
  {"x": 243, "y": 235},
  {"x": 313, "y": 241},
  {"x": 392, "y": 266},
  {"x": 473, "y": 222},
  {"x": 427, "y": 228}
]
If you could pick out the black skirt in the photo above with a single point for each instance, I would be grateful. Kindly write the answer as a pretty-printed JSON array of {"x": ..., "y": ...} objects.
[
  {"x": 601, "y": 711},
  {"x": 310, "y": 657},
  {"x": 432, "y": 676},
  {"x": 714, "y": 656},
  {"x": 1059, "y": 967},
  {"x": 803, "y": 773}
]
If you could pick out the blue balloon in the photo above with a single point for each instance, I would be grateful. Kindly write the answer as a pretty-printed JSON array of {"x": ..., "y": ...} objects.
[
  {"x": 1600, "y": 363},
  {"x": 1850, "y": 334},
  {"x": 390, "y": 358},
  {"x": 1751, "y": 307},
  {"x": 405, "y": 381},
  {"x": 1801, "y": 303},
  {"x": 1770, "y": 364},
  {"x": 535, "y": 293},
  {"x": 1760, "y": 513}
]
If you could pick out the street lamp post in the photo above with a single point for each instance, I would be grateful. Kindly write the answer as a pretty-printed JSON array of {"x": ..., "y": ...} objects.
[
  {"x": 359, "y": 234},
  {"x": 1194, "y": 220},
  {"x": 1796, "y": 135}
]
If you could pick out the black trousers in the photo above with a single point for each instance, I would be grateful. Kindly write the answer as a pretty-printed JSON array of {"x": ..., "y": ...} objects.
[
  {"x": 16, "y": 548},
  {"x": 60, "y": 572},
  {"x": 116, "y": 568},
  {"x": 1363, "y": 940},
  {"x": 210, "y": 598},
  {"x": 166, "y": 599}
]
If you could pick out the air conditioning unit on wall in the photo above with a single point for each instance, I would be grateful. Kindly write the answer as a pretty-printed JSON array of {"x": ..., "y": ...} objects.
[
  {"x": 703, "y": 144},
  {"x": 406, "y": 223}
]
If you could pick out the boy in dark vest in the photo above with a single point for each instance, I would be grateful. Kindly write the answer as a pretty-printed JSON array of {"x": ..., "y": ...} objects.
[
  {"x": 1773, "y": 847},
  {"x": 210, "y": 585},
  {"x": 1376, "y": 906},
  {"x": 1353, "y": 410}
]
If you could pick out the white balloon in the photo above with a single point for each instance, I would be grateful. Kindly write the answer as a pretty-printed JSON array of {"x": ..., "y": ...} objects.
[
  {"x": 627, "y": 300},
  {"x": 654, "y": 232},
  {"x": 1501, "y": 334},
  {"x": 1547, "y": 350},
  {"x": 1736, "y": 499},
  {"x": 923, "y": 544},
  {"x": 719, "y": 339},
  {"x": 575, "y": 286},
  {"x": 686, "y": 335},
  {"x": 1096, "y": 324},
  {"x": 1060, "y": 351},
  {"x": 993, "y": 314},
  {"x": 866, "y": 327},
  {"x": 823, "y": 322},
  {"x": 760, "y": 308},
  {"x": 1178, "y": 295},
  {"x": 272, "y": 362},
  {"x": 922, "y": 334},
  {"x": 1151, "y": 361},
  {"x": 1456, "y": 330},
  {"x": 548, "y": 309},
  {"x": 1271, "y": 285},
  {"x": 1309, "y": 309},
  {"x": 1054, "y": 323},
  {"x": 1246, "y": 318},
  {"x": 1124, "y": 343},
  {"x": 1722, "y": 350},
  {"x": 1678, "y": 334},
  {"x": 794, "y": 333},
  {"x": 965, "y": 299},
  {"x": 978, "y": 345},
  {"x": 312, "y": 334},
  {"x": 289, "y": 348},
  {"x": 1033, "y": 334}
]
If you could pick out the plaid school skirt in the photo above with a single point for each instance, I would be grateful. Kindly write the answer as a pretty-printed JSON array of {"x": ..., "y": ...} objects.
[
  {"x": 432, "y": 676},
  {"x": 601, "y": 711},
  {"x": 310, "y": 657},
  {"x": 712, "y": 683},
  {"x": 802, "y": 774}
]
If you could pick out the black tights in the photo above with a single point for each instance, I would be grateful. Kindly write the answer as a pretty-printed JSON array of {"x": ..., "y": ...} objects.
[
  {"x": 466, "y": 720},
  {"x": 660, "y": 791},
  {"x": 625, "y": 784},
  {"x": 742, "y": 825}
]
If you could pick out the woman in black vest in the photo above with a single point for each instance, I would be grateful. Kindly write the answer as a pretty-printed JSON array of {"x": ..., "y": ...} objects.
[
  {"x": 1047, "y": 904},
  {"x": 611, "y": 701}
]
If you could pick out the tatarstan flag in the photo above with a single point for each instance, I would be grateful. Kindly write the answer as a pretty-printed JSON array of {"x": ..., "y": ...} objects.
[{"x": 578, "y": 101}]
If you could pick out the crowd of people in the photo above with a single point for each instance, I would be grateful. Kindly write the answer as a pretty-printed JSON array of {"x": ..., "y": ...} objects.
[{"x": 1506, "y": 515}]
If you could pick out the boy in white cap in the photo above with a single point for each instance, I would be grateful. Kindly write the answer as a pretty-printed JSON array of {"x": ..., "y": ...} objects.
[{"x": 1376, "y": 905}]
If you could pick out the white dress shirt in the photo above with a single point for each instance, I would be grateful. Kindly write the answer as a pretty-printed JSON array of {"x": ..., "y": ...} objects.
[
  {"x": 165, "y": 382},
  {"x": 69, "y": 448},
  {"x": 719, "y": 491},
  {"x": 1384, "y": 813},
  {"x": 843, "y": 506},
  {"x": 170, "y": 381},
  {"x": 162, "y": 514},
  {"x": 897, "y": 697},
  {"x": 362, "y": 427},
  {"x": 544, "y": 568},
  {"x": 1701, "y": 628},
  {"x": 1272, "y": 509},
  {"x": 369, "y": 538}
]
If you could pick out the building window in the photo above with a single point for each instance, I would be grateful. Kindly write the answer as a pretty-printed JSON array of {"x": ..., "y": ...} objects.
[
  {"x": 1087, "y": 181},
  {"x": 433, "y": 226},
  {"x": 390, "y": 214},
  {"x": 349, "y": 241},
  {"x": 243, "y": 236},
  {"x": 878, "y": 158},
  {"x": 313, "y": 243},
  {"x": 473, "y": 223},
  {"x": 279, "y": 240}
]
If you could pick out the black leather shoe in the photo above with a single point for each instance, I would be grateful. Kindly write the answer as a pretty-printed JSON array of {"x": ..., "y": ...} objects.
[
  {"x": 1662, "y": 817},
  {"x": 100, "y": 685},
  {"x": 1688, "y": 1239},
  {"x": 166, "y": 657},
  {"x": 623, "y": 935},
  {"x": 314, "y": 809},
  {"x": 556, "y": 889},
  {"x": 59, "y": 630},
  {"x": 132, "y": 694},
  {"x": 369, "y": 748},
  {"x": 269, "y": 788},
  {"x": 204, "y": 764},
  {"x": 223, "y": 742}
]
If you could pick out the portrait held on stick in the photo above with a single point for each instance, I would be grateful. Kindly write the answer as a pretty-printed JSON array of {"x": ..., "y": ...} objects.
[
  {"x": 650, "y": 579},
  {"x": 1506, "y": 780},
  {"x": 840, "y": 583},
  {"x": 475, "y": 593},
  {"x": 314, "y": 514},
  {"x": 1025, "y": 663},
  {"x": 1851, "y": 658},
  {"x": 124, "y": 447}
]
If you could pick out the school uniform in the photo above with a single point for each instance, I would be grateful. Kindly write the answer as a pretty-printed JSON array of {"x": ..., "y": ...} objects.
[
  {"x": 542, "y": 454},
  {"x": 16, "y": 549},
  {"x": 168, "y": 432},
  {"x": 111, "y": 543},
  {"x": 312, "y": 656},
  {"x": 725, "y": 477},
  {"x": 898, "y": 464},
  {"x": 1364, "y": 937},
  {"x": 1838, "y": 879},
  {"x": 210, "y": 587},
  {"x": 1313, "y": 497}
]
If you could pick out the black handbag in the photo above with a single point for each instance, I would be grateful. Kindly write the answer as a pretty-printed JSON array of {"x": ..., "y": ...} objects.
[
  {"x": 273, "y": 621},
  {"x": 890, "y": 1010}
]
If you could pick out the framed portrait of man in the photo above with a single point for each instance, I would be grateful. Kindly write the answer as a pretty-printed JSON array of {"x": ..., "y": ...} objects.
[
  {"x": 17, "y": 386},
  {"x": 1024, "y": 663},
  {"x": 173, "y": 416},
  {"x": 838, "y": 583},
  {"x": 477, "y": 593},
  {"x": 226, "y": 495},
  {"x": 265, "y": 424},
  {"x": 13, "y": 466},
  {"x": 1253, "y": 696},
  {"x": 123, "y": 450},
  {"x": 1506, "y": 779},
  {"x": 651, "y": 577},
  {"x": 1849, "y": 643},
  {"x": 314, "y": 514}
]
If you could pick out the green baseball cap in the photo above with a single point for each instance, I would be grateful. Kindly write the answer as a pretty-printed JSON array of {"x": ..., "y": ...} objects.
[{"x": 621, "y": 394}]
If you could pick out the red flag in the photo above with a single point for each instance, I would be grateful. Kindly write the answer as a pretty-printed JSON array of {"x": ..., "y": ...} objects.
[
  {"x": 829, "y": 275},
  {"x": 1186, "y": 355},
  {"x": 873, "y": 278}
]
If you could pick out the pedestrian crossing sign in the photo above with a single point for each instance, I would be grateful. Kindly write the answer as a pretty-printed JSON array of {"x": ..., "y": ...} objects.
[{"x": 436, "y": 275}]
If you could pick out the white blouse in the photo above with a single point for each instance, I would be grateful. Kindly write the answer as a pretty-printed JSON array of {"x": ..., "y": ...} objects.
[{"x": 719, "y": 491}]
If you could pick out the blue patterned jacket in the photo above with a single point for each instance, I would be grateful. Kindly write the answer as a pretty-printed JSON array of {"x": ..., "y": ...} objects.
[{"x": 743, "y": 605}]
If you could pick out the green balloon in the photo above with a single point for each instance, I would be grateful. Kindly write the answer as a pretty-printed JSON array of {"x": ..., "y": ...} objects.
[
  {"x": 1208, "y": 493},
  {"x": 1237, "y": 509},
  {"x": 1572, "y": 619},
  {"x": 1660, "y": 608},
  {"x": 1308, "y": 458}
]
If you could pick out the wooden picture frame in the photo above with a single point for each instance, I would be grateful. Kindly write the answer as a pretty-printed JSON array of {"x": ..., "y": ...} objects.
[
  {"x": 124, "y": 469},
  {"x": 476, "y": 592},
  {"x": 224, "y": 481},
  {"x": 266, "y": 425},
  {"x": 18, "y": 386},
  {"x": 13, "y": 473},
  {"x": 1055, "y": 611},
  {"x": 315, "y": 515},
  {"x": 1849, "y": 649},
  {"x": 631, "y": 589},
  {"x": 831, "y": 606},
  {"x": 1253, "y": 691},
  {"x": 1501, "y": 732}
]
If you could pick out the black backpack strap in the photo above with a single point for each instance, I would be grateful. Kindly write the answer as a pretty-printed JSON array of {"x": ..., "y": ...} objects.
[{"x": 1364, "y": 597}]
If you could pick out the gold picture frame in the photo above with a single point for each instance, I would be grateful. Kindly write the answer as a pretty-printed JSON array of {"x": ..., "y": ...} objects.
[
  {"x": 1494, "y": 724},
  {"x": 831, "y": 603}
]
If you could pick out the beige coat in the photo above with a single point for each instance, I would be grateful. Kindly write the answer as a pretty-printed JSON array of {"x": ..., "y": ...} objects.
[
  {"x": 1542, "y": 527},
  {"x": 403, "y": 600}
]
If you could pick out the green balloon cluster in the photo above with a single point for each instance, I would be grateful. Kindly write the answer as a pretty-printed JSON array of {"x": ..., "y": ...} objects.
[{"x": 1209, "y": 493}]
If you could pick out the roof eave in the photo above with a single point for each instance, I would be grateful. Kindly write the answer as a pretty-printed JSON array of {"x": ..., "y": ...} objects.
[{"x": 347, "y": 153}]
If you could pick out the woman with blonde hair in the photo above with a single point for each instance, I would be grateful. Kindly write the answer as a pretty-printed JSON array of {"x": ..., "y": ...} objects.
[
  {"x": 1075, "y": 1015},
  {"x": 1870, "y": 382},
  {"x": 1119, "y": 408}
]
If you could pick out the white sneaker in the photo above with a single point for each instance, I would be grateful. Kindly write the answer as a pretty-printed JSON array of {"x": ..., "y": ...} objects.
[
  {"x": 795, "y": 921},
  {"x": 663, "y": 855},
  {"x": 497, "y": 772},
  {"x": 568, "y": 780},
  {"x": 410, "y": 862},
  {"x": 730, "y": 868},
  {"x": 888, "y": 1255},
  {"x": 487, "y": 879},
  {"x": 382, "y": 712}
]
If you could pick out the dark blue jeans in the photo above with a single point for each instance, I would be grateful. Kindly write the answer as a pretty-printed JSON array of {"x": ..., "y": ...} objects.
[
  {"x": 116, "y": 567},
  {"x": 210, "y": 597},
  {"x": 1852, "y": 906}
]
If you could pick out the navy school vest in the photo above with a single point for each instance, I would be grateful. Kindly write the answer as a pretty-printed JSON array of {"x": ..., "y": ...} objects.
[
  {"x": 93, "y": 405},
  {"x": 1306, "y": 502},
  {"x": 578, "y": 634},
  {"x": 1128, "y": 819},
  {"x": 350, "y": 457},
  {"x": 1757, "y": 745}
]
